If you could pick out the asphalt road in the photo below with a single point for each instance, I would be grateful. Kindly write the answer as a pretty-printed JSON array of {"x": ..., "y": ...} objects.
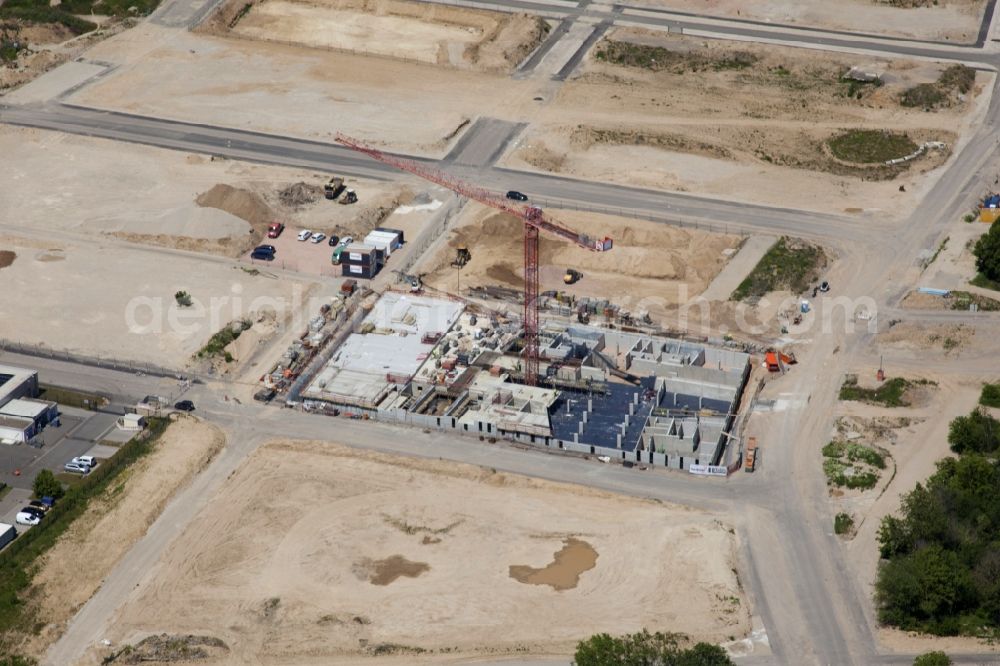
[{"x": 546, "y": 190}]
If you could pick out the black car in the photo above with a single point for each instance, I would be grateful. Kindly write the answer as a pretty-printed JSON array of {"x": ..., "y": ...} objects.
[
  {"x": 334, "y": 241},
  {"x": 517, "y": 196},
  {"x": 39, "y": 504},
  {"x": 184, "y": 406},
  {"x": 265, "y": 248},
  {"x": 35, "y": 511},
  {"x": 262, "y": 255}
]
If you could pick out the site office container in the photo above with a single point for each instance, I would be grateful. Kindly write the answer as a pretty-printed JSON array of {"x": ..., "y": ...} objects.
[
  {"x": 379, "y": 242},
  {"x": 395, "y": 232},
  {"x": 363, "y": 255},
  {"x": 360, "y": 271}
]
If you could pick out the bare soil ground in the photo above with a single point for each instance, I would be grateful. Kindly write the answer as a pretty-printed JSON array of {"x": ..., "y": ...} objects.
[
  {"x": 132, "y": 302},
  {"x": 314, "y": 553},
  {"x": 76, "y": 566},
  {"x": 740, "y": 120},
  {"x": 652, "y": 266},
  {"x": 299, "y": 91},
  {"x": 915, "y": 19},
  {"x": 920, "y": 337},
  {"x": 172, "y": 199},
  {"x": 436, "y": 34}
]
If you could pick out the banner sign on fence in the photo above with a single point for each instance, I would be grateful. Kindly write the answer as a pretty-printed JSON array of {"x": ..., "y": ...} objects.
[{"x": 709, "y": 470}]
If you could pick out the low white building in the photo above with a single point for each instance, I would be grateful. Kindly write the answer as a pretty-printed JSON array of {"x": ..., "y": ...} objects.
[
  {"x": 14, "y": 430},
  {"x": 40, "y": 412}
]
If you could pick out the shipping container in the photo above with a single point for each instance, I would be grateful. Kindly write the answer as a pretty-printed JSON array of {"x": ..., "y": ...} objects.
[{"x": 380, "y": 243}]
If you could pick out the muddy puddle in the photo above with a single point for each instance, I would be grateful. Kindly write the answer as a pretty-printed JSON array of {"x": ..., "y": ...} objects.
[
  {"x": 384, "y": 572},
  {"x": 563, "y": 573}
]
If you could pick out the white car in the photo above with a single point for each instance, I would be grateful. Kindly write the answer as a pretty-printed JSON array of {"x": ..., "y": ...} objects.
[
  {"x": 89, "y": 461},
  {"x": 318, "y": 237},
  {"x": 77, "y": 468},
  {"x": 25, "y": 518},
  {"x": 305, "y": 234},
  {"x": 346, "y": 240}
]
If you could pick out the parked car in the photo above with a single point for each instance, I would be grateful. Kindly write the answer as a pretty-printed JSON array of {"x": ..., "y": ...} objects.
[
  {"x": 318, "y": 237},
  {"x": 89, "y": 461},
  {"x": 517, "y": 196},
  {"x": 274, "y": 229},
  {"x": 346, "y": 240},
  {"x": 824, "y": 286},
  {"x": 39, "y": 504},
  {"x": 76, "y": 468},
  {"x": 262, "y": 255},
  {"x": 27, "y": 518},
  {"x": 33, "y": 511},
  {"x": 265, "y": 248},
  {"x": 334, "y": 240},
  {"x": 304, "y": 234},
  {"x": 184, "y": 406},
  {"x": 49, "y": 501}
]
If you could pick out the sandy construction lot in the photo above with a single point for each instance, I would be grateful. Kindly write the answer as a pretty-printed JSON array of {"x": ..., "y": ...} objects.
[
  {"x": 117, "y": 300},
  {"x": 296, "y": 91},
  {"x": 73, "y": 570},
  {"x": 314, "y": 553},
  {"x": 651, "y": 268},
  {"x": 923, "y": 19},
  {"x": 739, "y": 121},
  {"x": 437, "y": 34}
]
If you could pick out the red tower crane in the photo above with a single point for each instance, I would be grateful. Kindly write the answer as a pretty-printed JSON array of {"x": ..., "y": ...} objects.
[{"x": 534, "y": 221}]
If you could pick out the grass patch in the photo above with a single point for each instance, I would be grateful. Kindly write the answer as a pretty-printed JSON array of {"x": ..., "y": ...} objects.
[
  {"x": 787, "y": 265},
  {"x": 658, "y": 58},
  {"x": 120, "y": 8},
  {"x": 842, "y": 523},
  {"x": 870, "y": 146},
  {"x": 71, "y": 397},
  {"x": 990, "y": 396},
  {"x": 216, "y": 345},
  {"x": 984, "y": 282},
  {"x": 955, "y": 79},
  {"x": 889, "y": 394},
  {"x": 852, "y": 465},
  {"x": 18, "y": 562},
  {"x": 39, "y": 11}
]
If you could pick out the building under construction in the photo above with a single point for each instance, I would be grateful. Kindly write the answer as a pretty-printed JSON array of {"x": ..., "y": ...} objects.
[{"x": 431, "y": 362}]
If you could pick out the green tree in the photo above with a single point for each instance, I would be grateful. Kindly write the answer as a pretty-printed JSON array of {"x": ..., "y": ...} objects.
[
  {"x": 987, "y": 251},
  {"x": 977, "y": 432},
  {"x": 933, "y": 659},
  {"x": 47, "y": 485},
  {"x": 183, "y": 298},
  {"x": 924, "y": 590},
  {"x": 990, "y": 397},
  {"x": 894, "y": 537},
  {"x": 647, "y": 649}
]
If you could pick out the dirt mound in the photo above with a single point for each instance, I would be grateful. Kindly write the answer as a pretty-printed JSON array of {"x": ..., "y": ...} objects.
[
  {"x": 300, "y": 194},
  {"x": 244, "y": 204},
  {"x": 510, "y": 42},
  {"x": 167, "y": 648},
  {"x": 7, "y": 257}
]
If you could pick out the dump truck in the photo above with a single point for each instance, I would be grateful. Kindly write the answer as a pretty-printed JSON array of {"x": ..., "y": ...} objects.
[
  {"x": 750, "y": 455},
  {"x": 333, "y": 189}
]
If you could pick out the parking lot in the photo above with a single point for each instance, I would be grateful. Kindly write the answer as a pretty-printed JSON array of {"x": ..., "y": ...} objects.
[
  {"x": 79, "y": 432},
  {"x": 294, "y": 255}
]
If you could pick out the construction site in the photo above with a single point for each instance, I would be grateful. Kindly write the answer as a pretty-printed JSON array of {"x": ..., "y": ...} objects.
[{"x": 488, "y": 328}]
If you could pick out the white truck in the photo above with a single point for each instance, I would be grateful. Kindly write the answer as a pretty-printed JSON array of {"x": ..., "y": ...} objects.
[{"x": 7, "y": 534}]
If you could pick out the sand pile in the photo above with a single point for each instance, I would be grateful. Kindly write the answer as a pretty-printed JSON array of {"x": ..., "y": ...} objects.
[
  {"x": 300, "y": 194},
  {"x": 244, "y": 204},
  {"x": 7, "y": 257}
]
